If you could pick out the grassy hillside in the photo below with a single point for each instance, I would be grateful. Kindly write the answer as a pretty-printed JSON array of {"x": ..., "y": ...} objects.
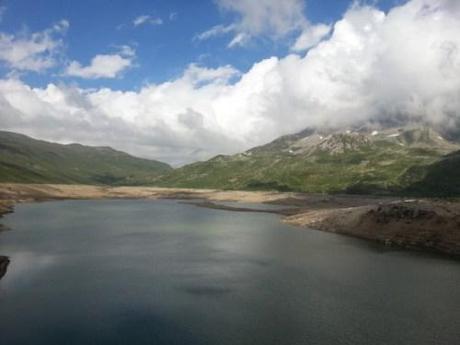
[
  {"x": 23, "y": 159},
  {"x": 391, "y": 161},
  {"x": 414, "y": 161},
  {"x": 441, "y": 178}
]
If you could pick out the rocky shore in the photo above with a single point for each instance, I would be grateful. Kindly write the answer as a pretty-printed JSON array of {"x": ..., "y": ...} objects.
[
  {"x": 417, "y": 224},
  {"x": 422, "y": 224}
]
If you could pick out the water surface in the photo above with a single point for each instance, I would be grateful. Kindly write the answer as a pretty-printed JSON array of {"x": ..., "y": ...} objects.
[{"x": 163, "y": 272}]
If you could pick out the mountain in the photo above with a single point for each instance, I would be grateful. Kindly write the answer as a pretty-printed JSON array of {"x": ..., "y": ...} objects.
[
  {"x": 404, "y": 160},
  {"x": 438, "y": 179},
  {"x": 23, "y": 159},
  {"x": 393, "y": 160}
]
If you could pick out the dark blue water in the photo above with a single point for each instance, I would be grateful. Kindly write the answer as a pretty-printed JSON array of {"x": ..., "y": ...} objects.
[{"x": 162, "y": 272}]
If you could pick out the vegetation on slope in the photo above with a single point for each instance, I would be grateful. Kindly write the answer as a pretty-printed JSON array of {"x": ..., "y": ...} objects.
[
  {"x": 411, "y": 161},
  {"x": 392, "y": 161},
  {"x": 23, "y": 159},
  {"x": 441, "y": 178}
]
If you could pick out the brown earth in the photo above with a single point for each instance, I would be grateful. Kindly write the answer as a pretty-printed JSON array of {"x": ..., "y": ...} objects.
[
  {"x": 12, "y": 192},
  {"x": 432, "y": 225},
  {"x": 420, "y": 224}
]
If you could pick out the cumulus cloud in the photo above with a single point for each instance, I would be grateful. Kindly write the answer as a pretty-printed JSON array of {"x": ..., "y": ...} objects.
[
  {"x": 147, "y": 19},
  {"x": 198, "y": 75},
  {"x": 32, "y": 52},
  {"x": 372, "y": 67},
  {"x": 103, "y": 65}
]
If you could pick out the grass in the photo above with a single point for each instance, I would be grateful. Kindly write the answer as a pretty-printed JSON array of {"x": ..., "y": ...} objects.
[
  {"x": 348, "y": 164},
  {"x": 23, "y": 159},
  {"x": 371, "y": 169}
]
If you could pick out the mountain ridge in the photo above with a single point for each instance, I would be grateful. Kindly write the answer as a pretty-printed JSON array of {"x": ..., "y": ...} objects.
[
  {"x": 25, "y": 159},
  {"x": 410, "y": 160},
  {"x": 325, "y": 161}
]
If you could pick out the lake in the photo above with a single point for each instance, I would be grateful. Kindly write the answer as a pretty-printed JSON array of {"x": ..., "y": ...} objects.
[{"x": 163, "y": 272}]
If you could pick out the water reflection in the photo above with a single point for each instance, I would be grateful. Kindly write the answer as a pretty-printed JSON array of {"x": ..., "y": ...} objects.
[
  {"x": 4, "y": 262},
  {"x": 160, "y": 272},
  {"x": 23, "y": 267}
]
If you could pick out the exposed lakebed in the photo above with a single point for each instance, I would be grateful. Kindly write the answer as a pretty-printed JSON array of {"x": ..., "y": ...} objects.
[{"x": 165, "y": 272}]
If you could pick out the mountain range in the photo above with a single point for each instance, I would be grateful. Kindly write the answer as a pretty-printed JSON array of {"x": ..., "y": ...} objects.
[
  {"x": 416, "y": 160},
  {"x": 393, "y": 160},
  {"x": 27, "y": 160}
]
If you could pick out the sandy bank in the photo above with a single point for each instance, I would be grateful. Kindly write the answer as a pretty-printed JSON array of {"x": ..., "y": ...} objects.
[
  {"x": 420, "y": 224},
  {"x": 40, "y": 192}
]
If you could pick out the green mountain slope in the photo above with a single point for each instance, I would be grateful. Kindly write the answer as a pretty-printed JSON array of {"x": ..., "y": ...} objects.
[
  {"x": 311, "y": 161},
  {"x": 441, "y": 178},
  {"x": 23, "y": 159}
]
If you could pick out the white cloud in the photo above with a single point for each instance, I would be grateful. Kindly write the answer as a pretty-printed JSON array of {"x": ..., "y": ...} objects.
[
  {"x": 215, "y": 31},
  {"x": 147, "y": 19},
  {"x": 126, "y": 50},
  {"x": 310, "y": 37},
  {"x": 32, "y": 52},
  {"x": 271, "y": 18},
  {"x": 103, "y": 65},
  {"x": 198, "y": 75},
  {"x": 240, "y": 39},
  {"x": 373, "y": 67}
]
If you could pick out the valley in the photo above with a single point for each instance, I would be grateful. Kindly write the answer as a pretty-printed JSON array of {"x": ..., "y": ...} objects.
[
  {"x": 393, "y": 161},
  {"x": 230, "y": 172},
  {"x": 396, "y": 186}
]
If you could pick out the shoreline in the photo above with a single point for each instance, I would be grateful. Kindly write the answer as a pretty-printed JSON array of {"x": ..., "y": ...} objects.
[{"x": 421, "y": 224}]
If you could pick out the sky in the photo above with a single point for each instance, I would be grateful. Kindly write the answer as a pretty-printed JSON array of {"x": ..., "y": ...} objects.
[{"x": 181, "y": 81}]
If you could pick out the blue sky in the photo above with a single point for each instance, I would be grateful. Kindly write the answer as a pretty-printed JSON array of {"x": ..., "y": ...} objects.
[
  {"x": 163, "y": 50},
  {"x": 181, "y": 81}
]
